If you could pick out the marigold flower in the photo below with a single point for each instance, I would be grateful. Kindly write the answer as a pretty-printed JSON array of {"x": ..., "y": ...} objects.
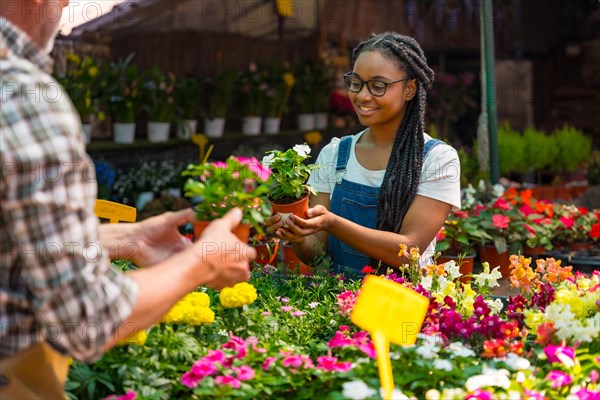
[
  {"x": 137, "y": 339},
  {"x": 240, "y": 294}
]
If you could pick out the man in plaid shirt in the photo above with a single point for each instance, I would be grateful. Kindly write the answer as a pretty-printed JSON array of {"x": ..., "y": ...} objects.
[{"x": 56, "y": 283}]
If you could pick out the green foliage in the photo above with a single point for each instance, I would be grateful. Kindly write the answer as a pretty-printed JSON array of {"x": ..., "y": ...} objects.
[
  {"x": 187, "y": 97},
  {"x": 122, "y": 92},
  {"x": 221, "y": 88},
  {"x": 238, "y": 182},
  {"x": 573, "y": 148},
  {"x": 158, "y": 94},
  {"x": 289, "y": 172},
  {"x": 541, "y": 150},
  {"x": 594, "y": 168},
  {"x": 511, "y": 150}
]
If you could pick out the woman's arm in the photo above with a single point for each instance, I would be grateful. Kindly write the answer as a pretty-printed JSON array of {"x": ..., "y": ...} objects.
[{"x": 422, "y": 222}]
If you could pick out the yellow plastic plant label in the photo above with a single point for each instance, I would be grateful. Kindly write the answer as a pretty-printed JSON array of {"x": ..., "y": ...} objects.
[
  {"x": 392, "y": 313},
  {"x": 115, "y": 212}
]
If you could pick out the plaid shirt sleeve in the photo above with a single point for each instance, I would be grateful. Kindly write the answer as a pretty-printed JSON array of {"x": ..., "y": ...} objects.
[{"x": 58, "y": 279}]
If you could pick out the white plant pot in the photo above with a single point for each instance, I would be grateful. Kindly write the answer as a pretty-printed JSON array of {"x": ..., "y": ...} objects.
[
  {"x": 306, "y": 122},
  {"x": 186, "y": 128},
  {"x": 124, "y": 132},
  {"x": 272, "y": 125},
  {"x": 251, "y": 125},
  {"x": 158, "y": 131},
  {"x": 321, "y": 120},
  {"x": 87, "y": 132},
  {"x": 214, "y": 128},
  {"x": 142, "y": 199}
]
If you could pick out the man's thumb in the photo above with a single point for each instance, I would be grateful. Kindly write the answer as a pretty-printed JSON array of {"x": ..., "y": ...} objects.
[{"x": 233, "y": 217}]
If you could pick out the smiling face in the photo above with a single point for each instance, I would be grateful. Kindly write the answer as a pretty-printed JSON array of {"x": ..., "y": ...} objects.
[{"x": 385, "y": 112}]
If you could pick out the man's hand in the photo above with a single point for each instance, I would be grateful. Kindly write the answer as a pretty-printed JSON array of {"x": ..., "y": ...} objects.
[
  {"x": 158, "y": 238},
  {"x": 225, "y": 255}
]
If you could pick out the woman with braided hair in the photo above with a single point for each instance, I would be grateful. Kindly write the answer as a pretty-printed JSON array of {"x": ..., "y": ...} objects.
[{"x": 389, "y": 184}]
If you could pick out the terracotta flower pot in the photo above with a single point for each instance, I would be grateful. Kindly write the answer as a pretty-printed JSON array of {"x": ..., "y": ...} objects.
[
  {"x": 297, "y": 208},
  {"x": 293, "y": 262},
  {"x": 579, "y": 246},
  {"x": 534, "y": 251},
  {"x": 490, "y": 254},
  {"x": 466, "y": 268},
  {"x": 263, "y": 257},
  {"x": 242, "y": 231}
]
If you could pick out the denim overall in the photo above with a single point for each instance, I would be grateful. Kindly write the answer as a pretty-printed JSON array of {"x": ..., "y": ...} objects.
[{"x": 358, "y": 203}]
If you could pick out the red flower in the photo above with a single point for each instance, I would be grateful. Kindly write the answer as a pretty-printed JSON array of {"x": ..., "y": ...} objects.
[
  {"x": 500, "y": 221},
  {"x": 582, "y": 210},
  {"x": 501, "y": 204},
  {"x": 367, "y": 270},
  {"x": 595, "y": 231},
  {"x": 567, "y": 222}
]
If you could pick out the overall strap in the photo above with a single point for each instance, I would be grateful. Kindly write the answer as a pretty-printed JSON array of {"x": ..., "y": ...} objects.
[
  {"x": 430, "y": 145},
  {"x": 343, "y": 153}
]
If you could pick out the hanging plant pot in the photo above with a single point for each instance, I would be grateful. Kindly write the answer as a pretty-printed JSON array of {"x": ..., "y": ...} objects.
[
  {"x": 242, "y": 231},
  {"x": 465, "y": 268},
  {"x": 158, "y": 132},
  {"x": 214, "y": 128},
  {"x": 297, "y": 208},
  {"x": 490, "y": 255},
  {"x": 272, "y": 125},
  {"x": 294, "y": 263},
  {"x": 123, "y": 132}
]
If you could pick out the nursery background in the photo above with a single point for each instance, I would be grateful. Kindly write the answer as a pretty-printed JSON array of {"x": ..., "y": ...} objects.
[{"x": 514, "y": 294}]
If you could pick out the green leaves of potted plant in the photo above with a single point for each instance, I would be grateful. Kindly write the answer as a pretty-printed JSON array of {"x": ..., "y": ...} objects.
[
  {"x": 123, "y": 97},
  {"x": 237, "y": 182},
  {"x": 221, "y": 89},
  {"x": 159, "y": 103},
  {"x": 187, "y": 99},
  {"x": 289, "y": 191}
]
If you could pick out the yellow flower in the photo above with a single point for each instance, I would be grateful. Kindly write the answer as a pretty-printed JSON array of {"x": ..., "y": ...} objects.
[
  {"x": 313, "y": 137},
  {"x": 284, "y": 7},
  {"x": 200, "y": 316},
  {"x": 240, "y": 294},
  {"x": 198, "y": 299},
  {"x": 93, "y": 71},
  {"x": 563, "y": 296},
  {"x": 533, "y": 319},
  {"x": 468, "y": 299},
  {"x": 289, "y": 79},
  {"x": 403, "y": 250},
  {"x": 74, "y": 58},
  {"x": 137, "y": 339}
]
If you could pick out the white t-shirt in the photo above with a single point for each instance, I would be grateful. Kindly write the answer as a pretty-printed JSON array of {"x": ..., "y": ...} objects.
[{"x": 440, "y": 177}]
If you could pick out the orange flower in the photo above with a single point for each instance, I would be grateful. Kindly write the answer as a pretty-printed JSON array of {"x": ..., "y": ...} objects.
[
  {"x": 436, "y": 269},
  {"x": 521, "y": 274},
  {"x": 552, "y": 271},
  {"x": 526, "y": 197}
]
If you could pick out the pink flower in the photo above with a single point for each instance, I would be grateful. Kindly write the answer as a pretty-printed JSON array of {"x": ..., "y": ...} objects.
[
  {"x": 215, "y": 356},
  {"x": 130, "y": 395},
  {"x": 190, "y": 380},
  {"x": 268, "y": 361},
  {"x": 298, "y": 313},
  {"x": 284, "y": 299},
  {"x": 296, "y": 361},
  {"x": 265, "y": 313},
  {"x": 203, "y": 369},
  {"x": 559, "y": 379},
  {"x": 331, "y": 364},
  {"x": 502, "y": 204},
  {"x": 567, "y": 222},
  {"x": 559, "y": 354},
  {"x": 500, "y": 221},
  {"x": 461, "y": 214},
  {"x": 594, "y": 376},
  {"x": 220, "y": 164},
  {"x": 533, "y": 395},
  {"x": 479, "y": 395},
  {"x": 526, "y": 210},
  {"x": 228, "y": 380},
  {"x": 339, "y": 340},
  {"x": 286, "y": 308},
  {"x": 244, "y": 373},
  {"x": 346, "y": 302}
]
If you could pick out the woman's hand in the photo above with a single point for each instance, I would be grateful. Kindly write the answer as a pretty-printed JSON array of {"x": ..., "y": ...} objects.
[{"x": 296, "y": 229}]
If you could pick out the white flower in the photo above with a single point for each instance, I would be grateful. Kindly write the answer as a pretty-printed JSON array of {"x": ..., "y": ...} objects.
[
  {"x": 495, "y": 305},
  {"x": 498, "y": 190},
  {"x": 452, "y": 269},
  {"x": 333, "y": 322},
  {"x": 426, "y": 282},
  {"x": 490, "y": 377},
  {"x": 223, "y": 332},
  {"x": 267, "y": 160},
  {"x": 303, "y": 150},
  {"x": 428, "y": 350},
  {"x": 442, "y": 365},
  {"x": 460, "y": 350},
  {"x": 516, "y": 363},
  {"x": 396, "y": 394},
  {"x": 432, "y": 394},
  {"x": 486, "y": 278},
  {"x": 357, "y": 390},
  {"x": 313, "y": 304}
]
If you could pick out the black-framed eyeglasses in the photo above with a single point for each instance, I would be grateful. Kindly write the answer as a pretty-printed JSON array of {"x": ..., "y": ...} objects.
[{"x": 376, "y": 87}]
